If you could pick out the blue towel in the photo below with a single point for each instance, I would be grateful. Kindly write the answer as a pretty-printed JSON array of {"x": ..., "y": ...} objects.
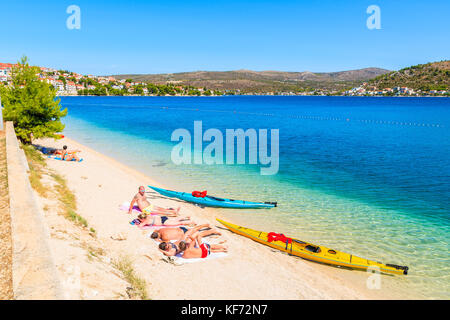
[{"x": 59, "y": 158}]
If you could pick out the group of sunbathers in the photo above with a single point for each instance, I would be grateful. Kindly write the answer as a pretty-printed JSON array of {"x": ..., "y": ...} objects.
[
  {"x": 177, "y": 239},
  {"x": 188, "y": 242}
]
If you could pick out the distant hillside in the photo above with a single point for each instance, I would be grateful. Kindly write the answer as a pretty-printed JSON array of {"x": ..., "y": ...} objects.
[
  {"x": 262, "y": 81},
  {"x": 425, "y": 77}
]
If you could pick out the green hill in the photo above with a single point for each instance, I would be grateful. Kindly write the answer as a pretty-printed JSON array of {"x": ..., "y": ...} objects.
[{"x": 425, "y": 77}]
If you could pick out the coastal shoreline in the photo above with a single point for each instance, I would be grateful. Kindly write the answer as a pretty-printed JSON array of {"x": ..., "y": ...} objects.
[
  {"x": 257, "y": 95},
  {"x": 250, "y": 271}
]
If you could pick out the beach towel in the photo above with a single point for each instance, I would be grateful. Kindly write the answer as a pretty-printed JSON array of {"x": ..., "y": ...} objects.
[
  {"x": 153, "y": 227},
  {"x": 59, "y": 158},
  {"x": 178, "y": 260}
]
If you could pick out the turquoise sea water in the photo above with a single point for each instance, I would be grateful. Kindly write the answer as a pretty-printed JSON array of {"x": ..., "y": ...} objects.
[{"x": 370, "y": 176}]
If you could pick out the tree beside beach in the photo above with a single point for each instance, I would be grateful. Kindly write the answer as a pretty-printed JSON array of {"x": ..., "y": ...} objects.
[{"x": 31, "y": 104}]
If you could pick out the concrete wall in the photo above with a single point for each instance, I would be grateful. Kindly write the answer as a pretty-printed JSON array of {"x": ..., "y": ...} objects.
[
  {"x": 34, "y": 272},
  {"x": 1, "y": 115}
]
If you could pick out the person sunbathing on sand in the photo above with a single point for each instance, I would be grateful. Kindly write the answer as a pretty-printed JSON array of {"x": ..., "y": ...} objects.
[
  {"x": 181, "y": 233},
  {"x": 54, "y": 152},
  {"x": 197, "y": 249},
  {"x": 192, "y": 247},
  {"x": 67, "y": 155},
  {"x": 149, "y": 221},
  {"x": 49, "y": 151},
  {"x": 148, "y": 208},
  {"x": 169, "y": 249}
]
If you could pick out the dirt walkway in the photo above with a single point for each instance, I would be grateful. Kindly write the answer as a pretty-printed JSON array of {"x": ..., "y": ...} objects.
[{"x": 6, "y": 291}]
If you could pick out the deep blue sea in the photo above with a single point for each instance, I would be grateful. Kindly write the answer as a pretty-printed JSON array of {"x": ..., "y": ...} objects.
[{"x": 370, "y": 176}]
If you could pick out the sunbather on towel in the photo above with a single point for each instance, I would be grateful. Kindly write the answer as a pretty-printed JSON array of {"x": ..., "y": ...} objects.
[
  {"x": 149, "y": 221},
  {"x": 54, "y": 151},
  {"x": 148, "y": 208},
  {"x": 192, "y": 247},
  {"x": 67, "y": 155},
  {"x": 169, "y": 249},
  {"x": 181, "y": 233},
  {"x": 197, "y": 249},
  {"x": 49, "y": 151}
]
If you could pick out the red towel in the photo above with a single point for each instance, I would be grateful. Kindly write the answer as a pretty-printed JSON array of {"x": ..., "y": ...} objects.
[{"x": 272, "y": 236}]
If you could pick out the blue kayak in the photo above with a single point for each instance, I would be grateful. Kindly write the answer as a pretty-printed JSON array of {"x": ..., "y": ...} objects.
[{"x": 209, "y": 201}]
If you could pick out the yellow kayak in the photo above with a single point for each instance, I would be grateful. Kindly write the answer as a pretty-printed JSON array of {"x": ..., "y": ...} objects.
[{"x": 313, "y": 252}]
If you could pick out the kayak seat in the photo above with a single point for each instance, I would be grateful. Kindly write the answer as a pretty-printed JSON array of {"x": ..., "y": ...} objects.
[{"x": 312, "y": 249}]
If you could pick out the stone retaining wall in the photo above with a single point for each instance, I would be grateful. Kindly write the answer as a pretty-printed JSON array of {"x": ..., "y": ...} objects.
[{"x": 34, "y": 272}]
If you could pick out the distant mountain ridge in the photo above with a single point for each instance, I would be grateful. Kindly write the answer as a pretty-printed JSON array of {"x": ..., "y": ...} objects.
[{"x": 262, "y": 81}]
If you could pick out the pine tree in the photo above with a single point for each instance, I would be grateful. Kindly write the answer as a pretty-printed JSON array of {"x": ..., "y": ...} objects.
[{"x": 31, "y": 104}]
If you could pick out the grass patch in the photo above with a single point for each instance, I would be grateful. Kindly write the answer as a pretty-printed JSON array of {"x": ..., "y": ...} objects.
[
  {"x": 93, "y": 252},
  {"x": 66, "y": 197},
  {"x": 37, "y": 166},
  {"x": 3, "y": 167},
  {"x": 139, "y": 286},
  {"x": 77, "y": 219},
  {"x": 36, "y": 184},
  {"x": 96, "y": 252},
  {"x": 68, "y": 201},
  {"x": 34, "y": 157}
]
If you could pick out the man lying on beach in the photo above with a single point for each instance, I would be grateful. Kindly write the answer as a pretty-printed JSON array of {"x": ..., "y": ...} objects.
[
  {"x": 193, "y": 247},
  {"x": 148, "y": 208},
  {"x": 149, "y": 221},
  {"x": 49, "y": 151},
  {"x": 54, "y": 152},
  {"x": 181, "y": 233},
  {"x": 67, "y": 155}
]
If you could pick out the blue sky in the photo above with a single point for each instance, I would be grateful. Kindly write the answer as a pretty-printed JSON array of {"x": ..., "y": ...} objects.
[{"x": 176, "y": 36}]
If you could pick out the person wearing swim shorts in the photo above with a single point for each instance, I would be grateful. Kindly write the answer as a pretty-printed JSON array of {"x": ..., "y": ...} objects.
[
  {"x": 149, "y": 221},
  {"x": 197, "y": 249},
  {"x": 181, "y": 233},
  {"x": 146, "y": 207}
]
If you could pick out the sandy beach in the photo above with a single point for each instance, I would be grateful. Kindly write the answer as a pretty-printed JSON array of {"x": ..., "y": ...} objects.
[{"x": 250, "y": 271}]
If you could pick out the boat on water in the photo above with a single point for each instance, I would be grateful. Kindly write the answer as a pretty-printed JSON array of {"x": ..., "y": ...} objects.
[
  {"x": 313, "y": 252},
  {"x": 210, "y": 201}
]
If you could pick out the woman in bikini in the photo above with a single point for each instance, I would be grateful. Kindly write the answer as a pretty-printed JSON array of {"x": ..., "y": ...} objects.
[
  {"x": 69, "y": 156},
  {"x": 149, "y": 221}
]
